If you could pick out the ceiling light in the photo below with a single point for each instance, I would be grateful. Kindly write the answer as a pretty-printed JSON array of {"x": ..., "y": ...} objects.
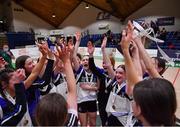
[
  {"x": 87, "y": 6},
  {"x": 53, "y": 15},
  {"x": 1, "y": 21}
]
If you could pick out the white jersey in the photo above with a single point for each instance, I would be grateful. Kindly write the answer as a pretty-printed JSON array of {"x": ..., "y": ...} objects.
[
  {"x": 119, "y": 105},
  {"x": 85, "y": 78},
  {"x": 60, "y": 85}
]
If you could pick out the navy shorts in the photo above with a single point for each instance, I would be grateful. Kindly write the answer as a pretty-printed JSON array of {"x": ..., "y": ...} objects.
[{"x": 88, "y": 106}]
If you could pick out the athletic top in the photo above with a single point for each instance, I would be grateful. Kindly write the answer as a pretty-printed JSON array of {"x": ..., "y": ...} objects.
[
  {"x": 85, "y": 78},
  {"x": 72, "y": 119},
  {"x": 59, "y": 85},
  {"x": 103, "y": 93},
  {"x": 14, "y": 112},
  {"x": 34, "y": 92},
  {"x": 119, "y": 104}
]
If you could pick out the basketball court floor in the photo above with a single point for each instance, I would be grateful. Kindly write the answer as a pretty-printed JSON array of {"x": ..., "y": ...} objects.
[{"x": 173, "y": 75}]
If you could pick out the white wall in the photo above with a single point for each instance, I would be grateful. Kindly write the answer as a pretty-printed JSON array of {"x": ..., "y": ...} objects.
[
  {"x": 69, "y": 30},
  {"x": 83, "y": 19},
  {"x": 160, "y": 8},
  {"x": 24, "y": 20},
  {"x": 114, "y": 26}
]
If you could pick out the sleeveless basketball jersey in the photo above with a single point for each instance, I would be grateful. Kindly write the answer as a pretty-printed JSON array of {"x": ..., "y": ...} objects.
[
  {"x": 60, "y": 85},
  {"x": 119, "y": 104},
  {"x": 85, "y": 78}
]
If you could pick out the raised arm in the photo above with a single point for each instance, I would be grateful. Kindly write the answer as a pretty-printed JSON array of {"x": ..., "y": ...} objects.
[
  {"x": 64, "y": 55},
  {"x": 37, "y": 69},
  {"x": 131, "y": 73},
  {"x": 143, "y": 39},
  {"x": 136, "y": 59},
  {"x": 50, "y": 60},
  {"x": 146, "y": 58},
  {"x": 92, "y": 66},
  {"x": 106, "y": 59},
  {"x": 2, "y": 63},
  {"x": 74, "y": 53}
]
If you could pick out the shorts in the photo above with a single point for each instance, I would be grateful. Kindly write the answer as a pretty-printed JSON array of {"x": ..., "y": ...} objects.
[{"x": 88, "y": 106}]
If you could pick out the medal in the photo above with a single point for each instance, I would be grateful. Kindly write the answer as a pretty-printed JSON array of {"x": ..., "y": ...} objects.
[
  {"x": 25, "y": 122},
  {"x": 114, "y": 107}
]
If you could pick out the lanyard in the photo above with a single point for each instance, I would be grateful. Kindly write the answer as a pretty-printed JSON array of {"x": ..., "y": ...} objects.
[
  {"x": 116, "y": 89},
  {"x": 58, "y": 76},
  {"x": 107, "y": 82},
  {"x": 9, "y": 97},
  {"x": 61, "y": 77},
  {"x": 87, "y": 77}
]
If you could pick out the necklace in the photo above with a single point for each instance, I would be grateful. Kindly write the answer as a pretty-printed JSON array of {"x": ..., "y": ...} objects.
[{"x": 89, "y": 77}]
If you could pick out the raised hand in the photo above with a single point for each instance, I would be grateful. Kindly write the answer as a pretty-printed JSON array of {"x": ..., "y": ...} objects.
[
  {"x": 47, "y": 49},
  {"x": 127, "y": 36},
  {"x": 90, "y": 48},
  {"x": 2, "y": 62},
  {"x": 71, "y": 47},
  {"x": 43, "y": 49},
  {"x": 104, "y": 42},
  {"x": 78, "y": 36},
  {"x": 19, "y": 76},
  {"x": 63, "y": 52}
]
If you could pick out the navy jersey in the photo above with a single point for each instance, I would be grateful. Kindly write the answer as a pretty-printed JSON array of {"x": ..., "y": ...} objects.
[
  {"x": 59, "y": 85},
  {"x": 14, "y": 112},
  {"x": 36, "y": 89}
]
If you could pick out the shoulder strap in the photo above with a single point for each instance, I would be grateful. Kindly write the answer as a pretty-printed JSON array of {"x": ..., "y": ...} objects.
[{"x": 79, "y": 75}]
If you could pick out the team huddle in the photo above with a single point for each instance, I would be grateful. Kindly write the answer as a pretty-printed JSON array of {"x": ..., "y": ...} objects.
[{"x": 66, "y": 89}]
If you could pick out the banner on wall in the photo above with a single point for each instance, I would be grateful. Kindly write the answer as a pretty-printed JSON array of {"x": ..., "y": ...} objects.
[
  {"x": 166, "y": 21},
  {"x": 56, "y": 32},
  {"x": 103, "y": 16},
  {"x": 174, "y": 55},
  {"x": 30, "y": 51}
]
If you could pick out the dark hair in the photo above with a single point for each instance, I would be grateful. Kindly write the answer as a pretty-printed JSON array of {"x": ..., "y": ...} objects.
[
  {"x": 51, "y": 110},
  {"x": 157, "y": 100},
  {"x": 112, "y": 61},
  {"x": 122, "y": 66},
  {"x": 85, "y": 56},
  {"x": 161, "y": 64},
  {"x": 20, "y": 62},
  {"x": 4, "y": 77},
  {"x": 79, "y": 56},
  {"x": 91, "y": 40}
]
